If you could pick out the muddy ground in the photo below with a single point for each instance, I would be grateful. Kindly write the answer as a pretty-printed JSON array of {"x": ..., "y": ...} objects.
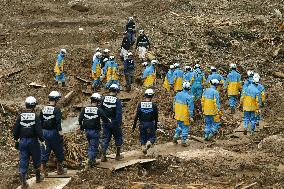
[{"x": 217, "y": 32}]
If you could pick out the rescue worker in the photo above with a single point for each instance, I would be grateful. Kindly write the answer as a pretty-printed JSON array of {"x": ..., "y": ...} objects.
[
  {"x": 168, "y": 82},
  {"x": 142, "y": 44},
  {"x": 233, "y": 86},
  {"x": 111, "y": 72},
  {"x": 50, "y": 117},
  {"x": 147, "y": 114},
  {"x": 177, "y": 78},
  {"x": 130, "y": 29},
  {"x": 89, "y": 121},
  {"x": 188, "y": 73},
  {"x": 58, "y": 69},
  {"x": 105, "y": 55},
  {"x": 147, "y": 77},
  {"x": 129, "y": 67},
  {"x": 125, "y": 46},
  {"x": 197, "y": 82},
  {"x": 215, "y": 75},
  {"x": 210, "y": 107},
  {"x": 96, "y": 69},
  {"x": 261, "y": 89},
  {"x": 27, "y": 134},
  {"x": 154, "y": 65},
  {"x": 251, "y": 102},
  {"x": 183, "y": 109},
  {"x": 98, "y": 49},
  {"x": 249, "y": 80},
  {"x": 112, "y": 107}
]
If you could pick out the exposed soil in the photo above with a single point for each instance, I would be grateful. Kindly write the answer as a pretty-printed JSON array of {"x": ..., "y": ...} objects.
[{"x": 217, "y": 32}]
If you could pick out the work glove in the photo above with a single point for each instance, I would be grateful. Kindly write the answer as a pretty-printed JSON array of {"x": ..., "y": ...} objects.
[
  {"x": 43, "y": 145},
  {"x": 191, "y": 119},
  {"x": 17, "y": 144}
]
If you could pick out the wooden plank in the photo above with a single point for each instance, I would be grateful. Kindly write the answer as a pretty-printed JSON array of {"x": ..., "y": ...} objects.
[
  {"x": 64, "y": 102},
  {"x": 250, "y": 185},
  {"x": 48, "y": 183},
  {"x": 70, "y": 173},
  {"x": 116, "y": 165},
  {"x": 84, "y": 80},
  {"x": 34, "y": 84}
]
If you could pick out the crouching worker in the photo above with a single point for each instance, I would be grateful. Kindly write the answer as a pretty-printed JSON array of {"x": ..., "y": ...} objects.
[
  {"x": 89, "y": 121},
  {"x": 27, "y": 134},
  {"x": 147, "y": 114}
]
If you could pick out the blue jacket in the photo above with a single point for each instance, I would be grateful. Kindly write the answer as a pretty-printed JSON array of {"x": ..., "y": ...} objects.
[
  {"x": 169, "y": 76},
  {"x": 247, "y": 82},
  {"x": 60, "y": 58},
  {"x": 198, "y": 77},
  {"x": 96, "y": 61},
  {"x": 184, "y": 98},
  {"x": 188, "y": 76},
  {"x": 213, "y": 94},
  {"x": 149, "y": 70},
  {"x": 215, "y": 75}
]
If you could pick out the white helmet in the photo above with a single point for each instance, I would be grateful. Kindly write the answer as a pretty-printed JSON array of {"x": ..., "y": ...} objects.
[
  {"x": 186, "y": 67},
  {"x": 172, "y": 66},
  {"x": 256, "y": 75},
  {"x": 54, "y": 96},
  {"x": 98, "y": 54},
  {"x": 255, "y": 79},
  {"x": 141, "y": 31},
  {"x": 214, "y": 81},
  {"x": 129, "y": 54},
  {"x": 212, "y": 68},
  {"x": 98, "y": 49},
  {"x": 130, "y": 18},
  {"x": 30, "y": 102},
  {"x": 176, "y": 65},
  {"x": 145, "y": 63},
  {"x": 153, "y": 62},
  {"x": 111, "y": 57},
  {"x": 95, "y": 97},
  {"x": 63, "y": 51},
  {"x": 106, "y": 50},
  {"x": 149, "y": 92},
  {"x": 114, "y": 86},
  {"x": 197, "y": 66},
  {"x": 233, "y": 66},
  {"x": 186, "y": 85},
  {"x": 250, "y": 73},
  {"x": 105, "y": 59}
]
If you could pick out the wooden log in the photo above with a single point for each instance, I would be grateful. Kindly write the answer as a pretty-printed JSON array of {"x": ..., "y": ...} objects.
[
  {"x": 84, "y": 80},
  {"x": 11, "y": 73},
  {"x": 250, "y": 185},
  {"x": 278, "y": 75},
  {"x": 37, "y": 85},
  {"x": 67, "y": 99}
]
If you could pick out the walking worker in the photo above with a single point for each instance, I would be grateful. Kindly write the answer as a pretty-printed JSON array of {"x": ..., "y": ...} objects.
[
  {"x": 177, "y": 78},
  {"x": 233, "y": 86},
  {"x": 168, "y": 82},
  {"x": 112, "y": 107},
  {"x": 188, "y": 73},
  {"x": 111, "y": 72},
  {"x": 125, "y": 46},
  {"x": 210, "y": 107},
  {"x": 147, "y": 114},
  {"x": 50, "y": 117},
  {"x": 183, "y": 110},
  {"x": 90, "y": 122},
  {"x": 197, "y": 82},
  {"x": 58, "y": 69},
  {"x": 215, "y": 75},
  {"x": 261, "y": 89},
  {"x": 147, "y": 77},
  {"x": 105, "y": 54},
  {"x": 142, "y": 44},
  {"x": 249, "y": 80},
  {"x": 96, "y": 69},
  {"x": 251, "y": 102},
  {"x": 130, "y": 30},
  {"x": 27, "y": 134},
  {"x": 129, "y": 68}
]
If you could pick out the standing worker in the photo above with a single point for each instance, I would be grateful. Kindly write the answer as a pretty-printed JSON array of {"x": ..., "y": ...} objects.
[
  {"x": 96, "y": 70},
  {"x": 215, "y": 75},
  {"x": 125, "y": 46},
  {"x": 129, "y": 67},
  {"x": 113, "y": 109},
  {"x": 58, "y": 69},
  {"x": 147, "y": 77},
  {"x": 52, "y": 132},
  {"x": 183, "y": 110},
  {"x": 168, "y": 82},
  {"x": 89, "y": 121},
  {"x": 177, "y": 78},
  {"x": 111, "y": 72},
  {"x": 188, "y": 74},
  {"x": 27, "y": 134},
  {"x": 249, "y": 80},
  {"x": 130, "y": 30},
  {"x": 210, "y": 107},
  {"x": 147, "y": 114},
  {"x": 233, "y": 85},
  {"x": 197, "y": 82},
  {"x": 142, "y": 45},
  {"x": 261, "y": 89},
  {"x": 251, "y": 102},
  {"x": 105, "y": 55}
]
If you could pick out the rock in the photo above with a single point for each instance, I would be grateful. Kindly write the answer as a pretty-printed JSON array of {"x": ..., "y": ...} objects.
[
  {"x": 278, "y": 74},
  {"x": 78, "y": 5}
]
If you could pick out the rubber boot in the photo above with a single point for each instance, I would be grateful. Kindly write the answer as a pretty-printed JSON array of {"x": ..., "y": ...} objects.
[
  {"x": 60, "y": 169},
  {"x": 144, "y": 149},
  {"x": 44, "y": 167},
  {"x": 23, "y": 179},
  {"x": 103, "y": 158},
  {"x": 183, "y": 143},
  {"x": 245, "y": 132},
  {"x": 118, "y": 155},
  {"x": 63, "y": 84},
  {"x": 232, "y": 110},
  {"x": 39, "y": 177},
  {"x": 148, "y": 145},
  {"x": 175, "y": 140},
  {"x": 56, "y": 82}
]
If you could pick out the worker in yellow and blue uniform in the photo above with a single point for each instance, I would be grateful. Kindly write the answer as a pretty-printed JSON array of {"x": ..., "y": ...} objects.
[
  {"x": 251, "y": 102},
  {"x": 210, "y": 107},
  {"x": 154, "y": 65},
  {"x": 261, "y": 89},
  {"x": 147, "y": 76},
  {"x": 96, "y": 69},
  {"x": 188, "y": 74},
  {"x": 183, "y": 109},
  {"x": 215, "y": 75},
  {"x": 58, "y": 69},
  {"x": 177, "y": 78},
  {"x": 197, "y": 82},
  {"x": 111, "y": 72},
  {"x": 248, "y": 81},
  {"x": 233, "y": 86},
  {"x": 168, "y": 82}
]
